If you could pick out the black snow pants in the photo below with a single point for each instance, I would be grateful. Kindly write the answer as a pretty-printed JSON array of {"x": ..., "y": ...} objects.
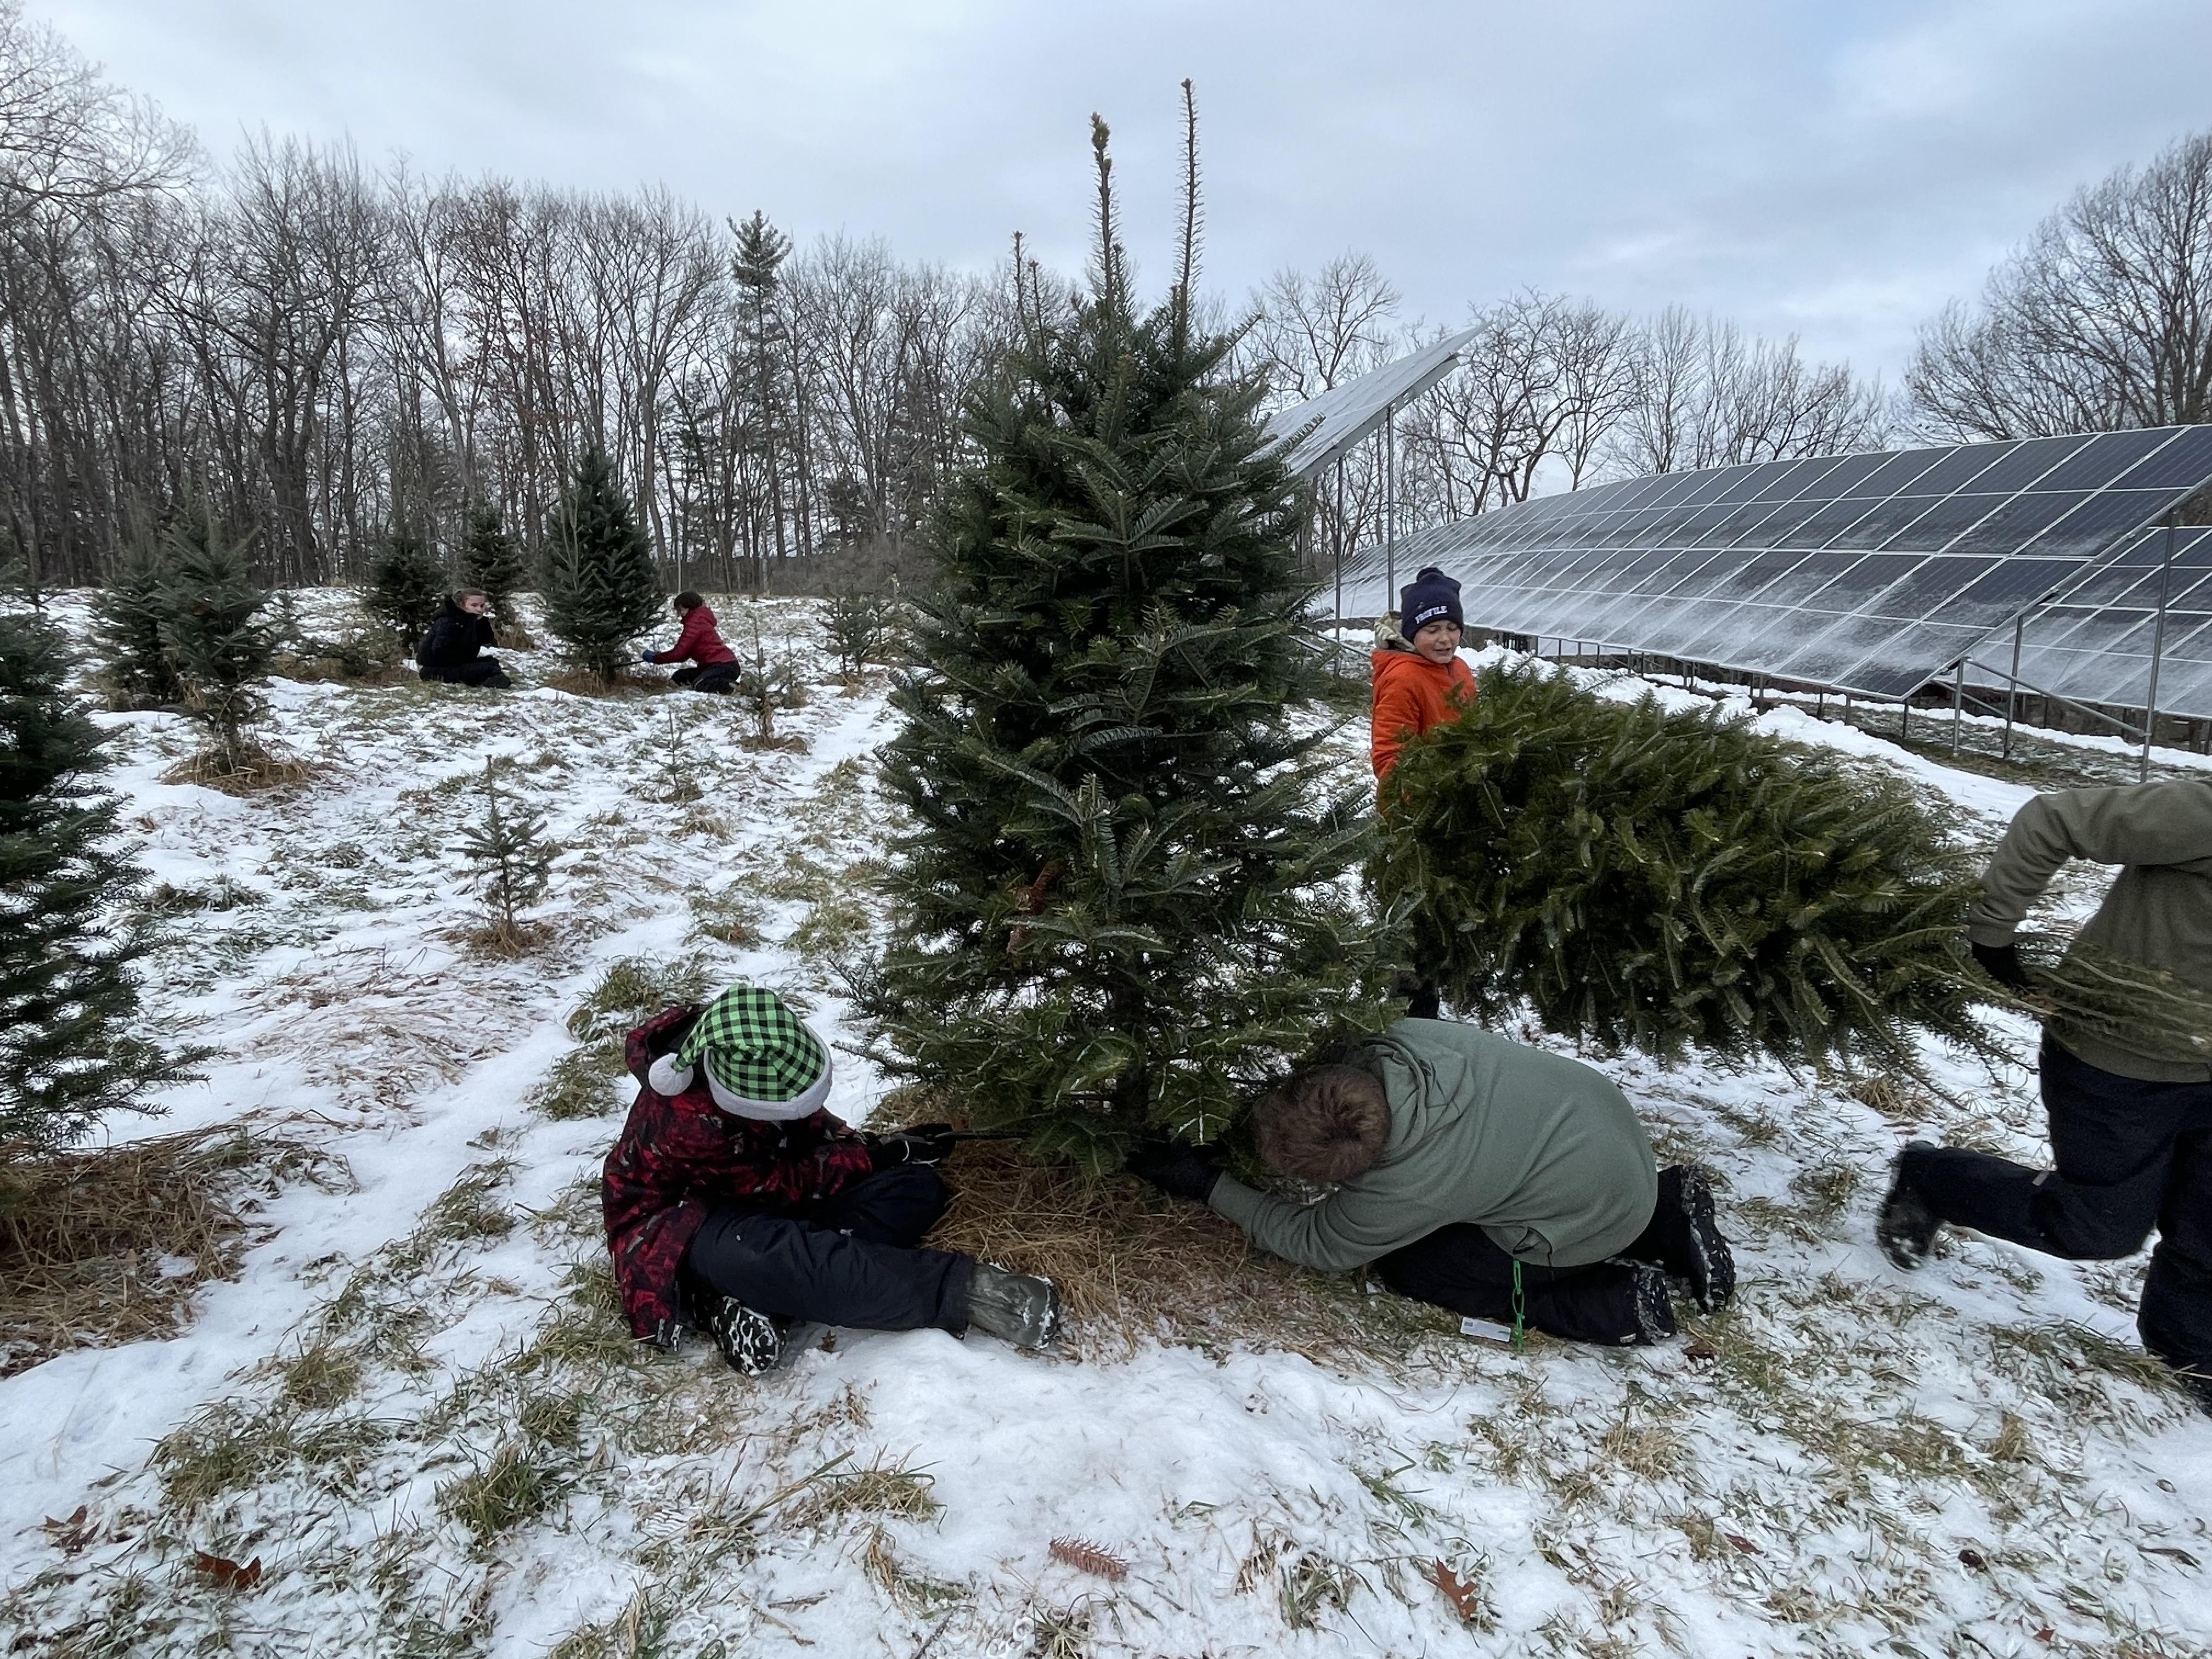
[
  {"x": 849, "y": 1259},
  {"x": 481, "y": 671},
  {"x": 1459, "y": 1267},
  {"x": 2130, "y": 1154},
  {"x": 720, "y": 678}
]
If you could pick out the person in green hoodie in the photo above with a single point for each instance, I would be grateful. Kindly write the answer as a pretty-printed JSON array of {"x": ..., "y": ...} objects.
[
  {"x": 2130, "y": 1131},
  {"x": 1478, "y": 1174}
]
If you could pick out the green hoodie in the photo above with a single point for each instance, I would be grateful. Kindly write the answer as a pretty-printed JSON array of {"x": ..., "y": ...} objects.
[
  {"x": 1542, "y": 1153},
  {"x": 2158, "y": 910}
]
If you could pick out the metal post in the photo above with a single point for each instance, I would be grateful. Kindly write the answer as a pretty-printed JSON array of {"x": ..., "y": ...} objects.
[
  {"x": 1905, "y": 714},
  {"x": 1390, "y": 496},
  {"x": 2012, "y": 680},
  {"x": 1336, "y": 541},
  {"x": 2157, "y": 651},
  {"x": 1957, "y": 704}
]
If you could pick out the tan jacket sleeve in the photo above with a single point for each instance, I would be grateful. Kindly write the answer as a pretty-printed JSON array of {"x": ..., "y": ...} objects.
[{"x": 2143, "y": 823}]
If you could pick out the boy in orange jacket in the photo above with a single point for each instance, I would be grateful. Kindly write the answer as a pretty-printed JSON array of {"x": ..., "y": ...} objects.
[{"x": 1419, "y": 681}]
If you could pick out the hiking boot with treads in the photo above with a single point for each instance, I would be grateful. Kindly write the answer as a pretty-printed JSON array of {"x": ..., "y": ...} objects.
[
  {"x": 1712, "y": 1264},
  {"x": 1905, "y": 1227},
  {"x": 1016, "y": 1308},
  {"x": 748, "y": 1338},
  {"x": 1655, "y": 1313}
]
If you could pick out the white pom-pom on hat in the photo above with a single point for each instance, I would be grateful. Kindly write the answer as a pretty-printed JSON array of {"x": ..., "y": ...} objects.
[{"x": 667, "y": 1076}]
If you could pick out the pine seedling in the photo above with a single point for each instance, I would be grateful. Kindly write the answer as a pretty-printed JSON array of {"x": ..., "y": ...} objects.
[
  {"x": 68, "y": 986},
  {"x": 680, "y": 784},
  {"x": 407, "y": 586},
  {"x": 852, "y": 621},
  {"x": 770, "y": 683},
  {"x": 127, "y": 627},
  {"x": 212, "y": 629},
  {"x": 510, "y": 861}
]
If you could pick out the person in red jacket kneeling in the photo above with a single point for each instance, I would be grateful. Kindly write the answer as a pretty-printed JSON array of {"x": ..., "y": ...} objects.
[
  {"x": 713, "y": 665},
  {"x": 736, "y": 1204}
]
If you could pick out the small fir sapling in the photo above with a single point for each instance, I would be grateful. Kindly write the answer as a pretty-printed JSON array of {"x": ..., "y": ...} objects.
[
  {"x": 510, "y": 861},
  {"x": 407, "y": 586},
  {"x": 769, "y": 683},
  {"x": 213, "y": 629},
  {"x": 679, "y": 762},
  {"x": 127, "y": 629},
  {"x": 68, "y": 986},
  {"x": 1120, "y": 908},
  {"x": 492, "y": 560},
  {"x": 852, "y": 621},
  {"x": 600, "y": 589}
]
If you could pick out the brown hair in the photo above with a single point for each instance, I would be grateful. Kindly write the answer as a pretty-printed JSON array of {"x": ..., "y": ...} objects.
[
  {"x": 1325, "y": 1124},
  {"x": 687, "y": 600}
]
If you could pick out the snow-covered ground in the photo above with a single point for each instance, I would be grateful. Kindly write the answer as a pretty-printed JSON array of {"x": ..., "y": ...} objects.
[{"x": 414, "y": 1407}]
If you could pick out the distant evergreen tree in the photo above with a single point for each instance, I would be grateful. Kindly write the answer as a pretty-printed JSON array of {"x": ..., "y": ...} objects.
[
  {"x": 212, "y": 626},
  {"x": 600, "y": 588},
  {"x": 764, "y": 370},
  {"x": 407, "y": 586},
  {"x": 127, "y": 628},
  {"x": 69, "y": 995},
  {"x": 492, "y": 559},
  {"x": 1121, "y": 907}
]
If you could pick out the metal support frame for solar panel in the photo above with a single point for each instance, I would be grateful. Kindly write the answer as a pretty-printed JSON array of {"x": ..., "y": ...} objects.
[
  {"x": 1320, "y": 431},
  {"x": 1871, "y": 573},
  {"x": 2134, "y": 632}
]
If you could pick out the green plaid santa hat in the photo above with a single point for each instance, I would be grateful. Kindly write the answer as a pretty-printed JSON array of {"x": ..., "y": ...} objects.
[{"x": 760, "y": 1060}]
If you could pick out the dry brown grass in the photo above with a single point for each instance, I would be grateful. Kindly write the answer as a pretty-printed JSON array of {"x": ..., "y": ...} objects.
[
  {"x": 212, "y": 770},
  {"x": 1130, "y": 1264},
  {"x": 98, "y": 1247},
  {"x": 582, "y": 683}
]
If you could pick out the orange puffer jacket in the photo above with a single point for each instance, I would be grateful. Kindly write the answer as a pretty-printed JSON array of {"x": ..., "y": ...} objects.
[{"x": 1412, "y": 694}]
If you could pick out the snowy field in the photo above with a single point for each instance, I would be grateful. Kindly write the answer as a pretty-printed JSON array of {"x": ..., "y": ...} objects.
[{"x": 416, "y": 1411}]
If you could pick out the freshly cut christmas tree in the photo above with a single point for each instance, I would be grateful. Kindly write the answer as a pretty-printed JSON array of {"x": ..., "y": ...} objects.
[
  {"x": 601, "y": 590},
  {"x": 1658, "y": 879},
  {"x": 69, "y": 991},
  {"x": 1121, "y": 906}
]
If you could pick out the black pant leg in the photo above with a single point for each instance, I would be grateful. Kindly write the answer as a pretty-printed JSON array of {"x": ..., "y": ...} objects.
[
  {"x": 482, "y": 672},
  {"x": 719, "y": 677},
  {"x": 801, "y": 1269},
  {"x": 897, "y": 1206},
  {"x": 2111, "y": 1142},
  {"x": 685, "y": 674},
  {"x": 2175, "y": 1320},
  {"x": 1459, "y": 1267},
  {"x": 1665, "y": 1240}
]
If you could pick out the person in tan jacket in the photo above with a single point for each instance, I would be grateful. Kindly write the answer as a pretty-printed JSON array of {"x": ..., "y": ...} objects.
[{"x": 2131, "y": 1132}]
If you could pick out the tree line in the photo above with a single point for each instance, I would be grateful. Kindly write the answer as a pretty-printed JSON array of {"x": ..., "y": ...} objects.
[{"x": 327, "y": 355}]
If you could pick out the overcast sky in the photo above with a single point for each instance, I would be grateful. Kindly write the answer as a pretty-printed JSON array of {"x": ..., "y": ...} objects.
[{"x": 1833, "y": 168}]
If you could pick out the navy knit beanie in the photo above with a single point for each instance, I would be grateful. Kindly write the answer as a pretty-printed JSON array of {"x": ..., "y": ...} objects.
[{"x": 1434, "y": 597}]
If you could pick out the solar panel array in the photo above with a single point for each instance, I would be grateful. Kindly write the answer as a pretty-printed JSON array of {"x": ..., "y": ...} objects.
[
  {"x": 1870, "y": 573},
  {"x": 1345, "y": 415},
  {"x": 2094, "y": 643}
]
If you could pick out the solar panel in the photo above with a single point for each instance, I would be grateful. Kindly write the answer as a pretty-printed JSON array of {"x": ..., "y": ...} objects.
[
  {"x": 2094, "y": 643},
  {"x": 1871, "y": 572},
  {"x": 1344, "y": 415}
]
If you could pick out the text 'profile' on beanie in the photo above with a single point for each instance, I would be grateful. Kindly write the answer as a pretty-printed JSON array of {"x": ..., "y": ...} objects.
[
  {"x": 762, "y": 1060},
  {"x": 1433, "y": 597}
]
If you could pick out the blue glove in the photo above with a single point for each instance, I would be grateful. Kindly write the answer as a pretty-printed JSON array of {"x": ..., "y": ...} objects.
[{"x": 646, "y": 656}]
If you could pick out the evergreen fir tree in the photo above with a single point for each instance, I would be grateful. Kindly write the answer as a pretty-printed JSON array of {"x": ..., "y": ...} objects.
[
  {"x": 1121, "y": 907},
  {"x": 491, "y": 559},
  {"x": 69, "y": 994},
  {"x": 763, "y": 367},
  {"x": 853, "y": 622},
  {"x": 407, "y": 586},
  {"x": 127, "y": 619},
  {"x": 1661, "y": 880},
  {"x": 601, "y": 590},
  {"x": 512, "y": 862},
  {"x": 212, "y": 626}
]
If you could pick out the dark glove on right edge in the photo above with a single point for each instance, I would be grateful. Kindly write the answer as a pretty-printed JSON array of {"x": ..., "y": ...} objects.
[
  {"x": 2001, "y": 963},
  {"x": 1179, "y": 1171}
]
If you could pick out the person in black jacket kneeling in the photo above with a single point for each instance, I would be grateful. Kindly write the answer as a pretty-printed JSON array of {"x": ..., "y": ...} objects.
[{"x": 448, "y": 651}]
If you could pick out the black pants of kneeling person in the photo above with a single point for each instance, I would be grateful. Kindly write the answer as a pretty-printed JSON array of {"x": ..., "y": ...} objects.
[
  {"x": 850, "y": 1260},
  {"x": 481, "y": 671},
  {"x": 1459, "y": 1267},
  {"x": 720, "y": 678},
  {"x": 2129, "y": 1155}
]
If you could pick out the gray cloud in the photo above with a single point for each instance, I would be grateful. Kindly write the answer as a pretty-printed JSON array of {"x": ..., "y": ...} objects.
[{"x": 1832, "y": 170}]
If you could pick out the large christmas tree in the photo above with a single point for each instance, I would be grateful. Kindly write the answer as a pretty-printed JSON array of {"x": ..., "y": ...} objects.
[
  {"x": 69, "y": 995},
  {"x": 491, "y": 560},
  {"x": 600, "y": 589},
  {"x": 1121, "y": 906},
  {"x": 1644, "y": 878}
]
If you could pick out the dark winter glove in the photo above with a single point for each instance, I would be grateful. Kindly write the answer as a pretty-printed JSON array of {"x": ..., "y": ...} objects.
[
  {"x": 2001, "y": 963},
  {"x": 1179, "y": 1171},
  {"x": 646, "y": 656},
  {"x": 925, "y": 1142}
]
